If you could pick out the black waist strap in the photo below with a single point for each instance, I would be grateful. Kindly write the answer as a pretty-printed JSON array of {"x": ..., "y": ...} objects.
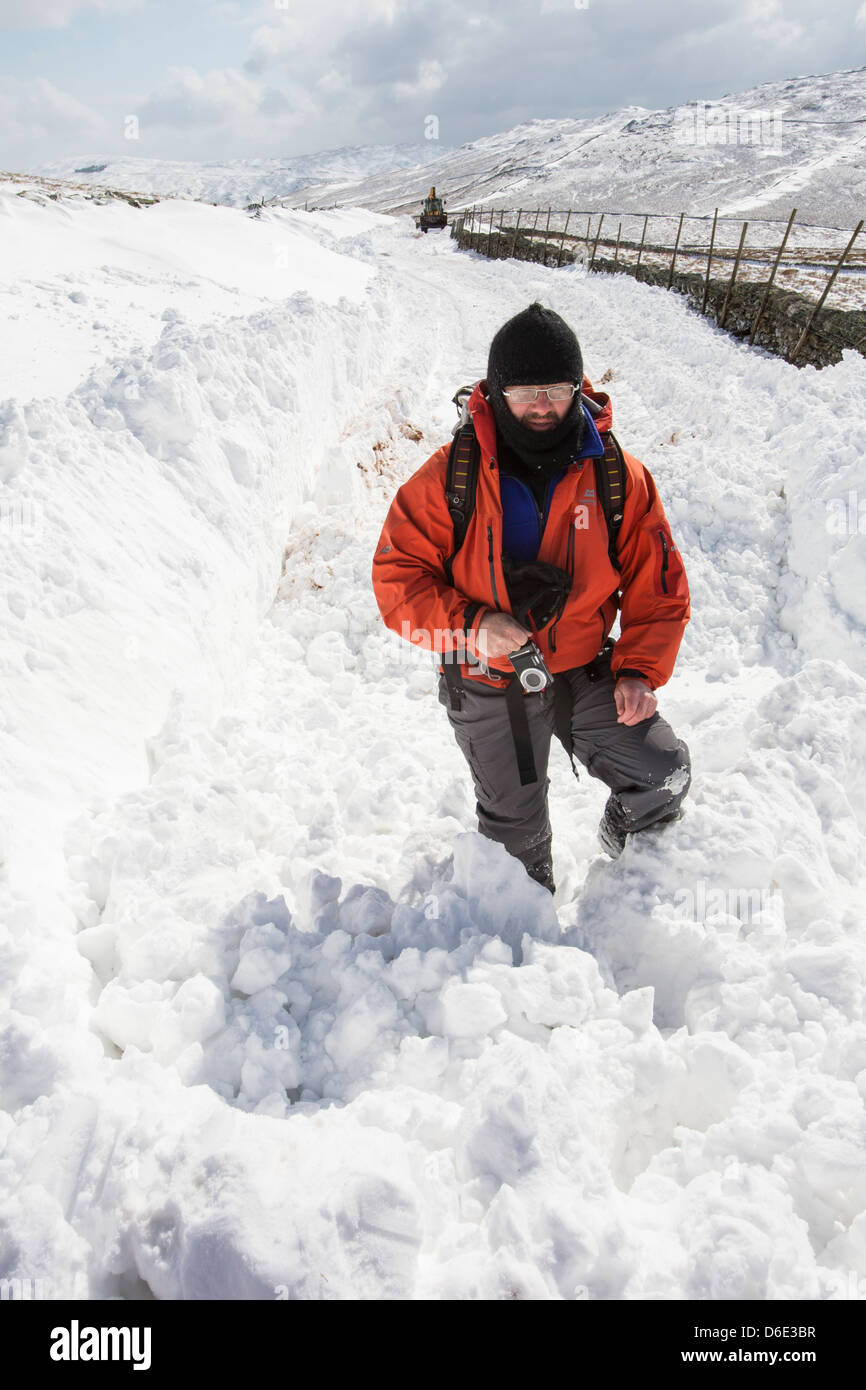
[
  {"x": 514, "y": 698},
  {"x": 454, "y": 680},
  {"x": 563, "y": 704}
]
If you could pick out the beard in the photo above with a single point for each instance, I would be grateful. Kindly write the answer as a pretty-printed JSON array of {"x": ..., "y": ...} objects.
[
  {"x": 540, "y": 422},
  {"x": 541, "y": 445}
]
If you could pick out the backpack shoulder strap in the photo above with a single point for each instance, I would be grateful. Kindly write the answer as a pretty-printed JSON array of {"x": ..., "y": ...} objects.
[
  {"x": 462, "y": 476},
  {"x": 610, "y": 479}
]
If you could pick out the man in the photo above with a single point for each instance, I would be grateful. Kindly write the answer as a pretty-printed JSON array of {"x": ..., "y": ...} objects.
[{"x": 536, "y": 564}]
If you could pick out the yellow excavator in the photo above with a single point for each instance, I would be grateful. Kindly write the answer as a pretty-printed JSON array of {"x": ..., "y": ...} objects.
[{"x": 433, "y": 213}]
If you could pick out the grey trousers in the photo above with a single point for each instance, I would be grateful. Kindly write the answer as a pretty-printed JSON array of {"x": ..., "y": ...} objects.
[{"x": 646, "y": 767}]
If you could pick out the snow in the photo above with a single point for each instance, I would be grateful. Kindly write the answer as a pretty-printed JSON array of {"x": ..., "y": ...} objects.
[
  {"x": 754, "y": 153},
  {"x": 80, "y": 282},
  {"x": 277, "y": 1021},
  {"x": 236, "y": 182}
]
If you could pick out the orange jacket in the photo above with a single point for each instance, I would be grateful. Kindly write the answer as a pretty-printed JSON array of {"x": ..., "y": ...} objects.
[{"x": 416, "y": 600}]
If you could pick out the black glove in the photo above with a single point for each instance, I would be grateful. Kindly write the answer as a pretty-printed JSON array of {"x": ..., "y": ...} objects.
[{"x": 537, "y": 591}]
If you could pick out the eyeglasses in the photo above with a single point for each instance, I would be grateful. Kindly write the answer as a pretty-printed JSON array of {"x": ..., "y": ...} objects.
[{"x": 522, "y": 395}]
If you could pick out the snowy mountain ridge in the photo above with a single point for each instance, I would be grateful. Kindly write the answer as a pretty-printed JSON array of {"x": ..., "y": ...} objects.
[
  {"x": 236, "y": 182},
  {"x": 757, "y": 152}
]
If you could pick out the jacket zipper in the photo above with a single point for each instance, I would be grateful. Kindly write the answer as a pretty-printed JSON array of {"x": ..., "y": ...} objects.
[
  {"x": 492, "y": 566},
  {"x": 664, "y": 562},
  {"x": 569, "y": 561}
]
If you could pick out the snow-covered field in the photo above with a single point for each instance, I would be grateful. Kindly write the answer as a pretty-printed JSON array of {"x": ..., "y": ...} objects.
[
  {"x": 82, "y": 283},
  {"x": 277, "y": 1021}
]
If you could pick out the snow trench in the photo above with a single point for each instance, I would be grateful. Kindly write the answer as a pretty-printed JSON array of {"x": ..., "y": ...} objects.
[{"x": 279, "y": 1024}]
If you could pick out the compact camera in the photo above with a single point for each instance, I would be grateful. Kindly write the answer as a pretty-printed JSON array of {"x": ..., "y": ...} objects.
[{"x": 530, "y": 667}]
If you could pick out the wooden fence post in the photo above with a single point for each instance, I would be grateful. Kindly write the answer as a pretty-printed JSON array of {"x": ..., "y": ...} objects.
[
  {"x": 724, "y": 313},
  {"x": 616, "y": 252},
  {"x": 564, "y": 234},
  {"x": 489, "y": 233},
  {"x": 595, "y": 243},
  {"x": 516, "y": 230},
  {"x": 674, "y": 256},
  {"x": 709, "y": 262},
  {"x": 544, "y": 248},
  {"x": 499, "y": 233},
  {"x": 640, "y": 248},
  {"x": 827, "y": 288},
  {"x": 772, "y": 277}
]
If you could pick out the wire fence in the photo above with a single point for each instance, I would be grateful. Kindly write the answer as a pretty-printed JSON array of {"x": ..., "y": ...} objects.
[{"x": 802, "y": 295}]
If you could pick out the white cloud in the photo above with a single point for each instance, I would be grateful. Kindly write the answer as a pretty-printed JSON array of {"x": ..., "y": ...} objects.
[
  {"x": 40, "y": 122},
  {"x": 333, "y": 81},
  {"x": 40, "y": 107},
  {"x": 430, "y": 77},
  {"x": 289, "y": 34},
  {"x": 188, "y": 97},
  {"x": 55, "y": 14},
  {"x": 296, "y": 77},
  {"x": 332, "y": 74},
  {"x": 339, "y": 73},
  {"x": 226, "y": 106},
  {"x": 769, "y": 25}
]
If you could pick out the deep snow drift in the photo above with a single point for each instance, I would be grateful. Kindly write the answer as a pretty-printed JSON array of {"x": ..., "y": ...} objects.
[{"x": 277, "y": 1022}]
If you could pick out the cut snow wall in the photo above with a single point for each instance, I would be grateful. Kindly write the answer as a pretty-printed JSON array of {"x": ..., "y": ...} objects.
[{"x": 146, "y": 517}]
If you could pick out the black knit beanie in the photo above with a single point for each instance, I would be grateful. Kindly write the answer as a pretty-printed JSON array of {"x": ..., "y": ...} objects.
[{"x": 536, "y": 348}]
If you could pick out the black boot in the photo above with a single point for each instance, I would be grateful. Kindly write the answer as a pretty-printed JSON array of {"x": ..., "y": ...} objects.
[
  {"x": 611, "y": 829},
  {"x": 541, "y": 868}
]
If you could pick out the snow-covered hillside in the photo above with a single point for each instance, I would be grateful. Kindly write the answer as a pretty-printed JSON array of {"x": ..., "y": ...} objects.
[
  {"x": 238, "y": 182},
  {"x": 759, "y": 152},
  {"x": 278, "y": 1022},
  {"x": 797, "y": 143}
]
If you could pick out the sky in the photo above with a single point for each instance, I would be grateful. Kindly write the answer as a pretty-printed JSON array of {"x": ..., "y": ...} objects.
[{"x": 238, "y": 79}]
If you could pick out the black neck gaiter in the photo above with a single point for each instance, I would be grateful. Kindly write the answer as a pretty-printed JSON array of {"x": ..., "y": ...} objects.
[{"x": 542, "y": 451}]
